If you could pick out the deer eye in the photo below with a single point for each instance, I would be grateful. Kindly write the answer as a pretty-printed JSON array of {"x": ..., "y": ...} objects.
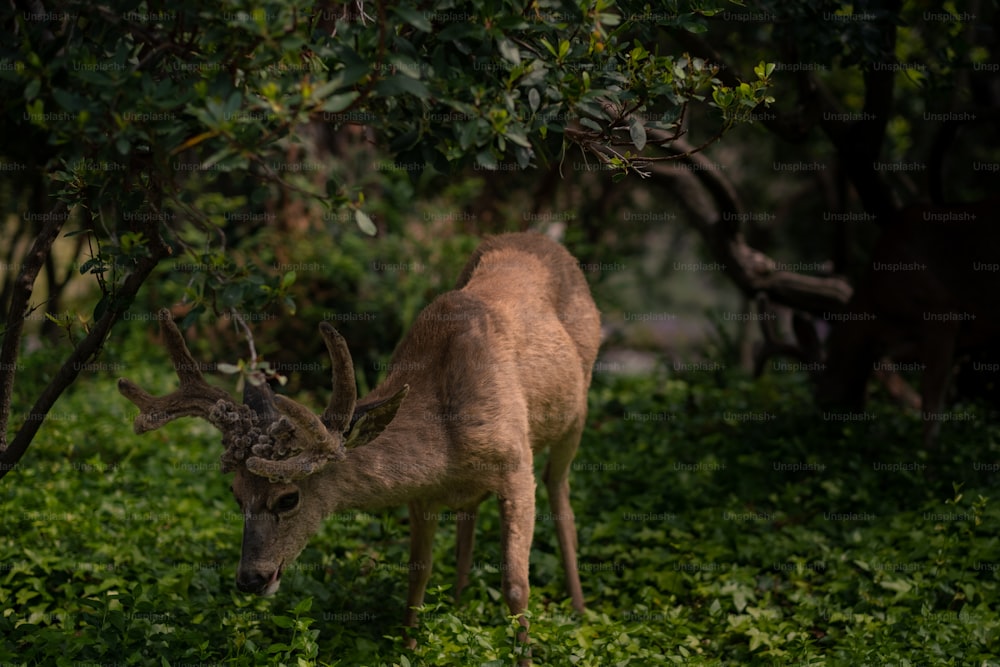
[{"x": 287, "y": 502}]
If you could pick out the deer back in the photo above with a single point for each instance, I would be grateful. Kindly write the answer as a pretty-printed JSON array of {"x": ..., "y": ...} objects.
[{"x": 510, "y": 349}]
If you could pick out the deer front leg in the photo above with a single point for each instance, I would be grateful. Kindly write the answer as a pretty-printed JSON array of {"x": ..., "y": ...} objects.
[
  {"x": 423, "y": 523},
  {"x": 517, "y": 516}
]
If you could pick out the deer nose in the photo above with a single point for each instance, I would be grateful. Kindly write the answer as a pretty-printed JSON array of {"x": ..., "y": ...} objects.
[
  {"x": 257, "y": 581},
  {"x": 251, "y": 582}
]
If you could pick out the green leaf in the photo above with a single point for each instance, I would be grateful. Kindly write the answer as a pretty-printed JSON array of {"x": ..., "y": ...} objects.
[
  {"x": 303, "y": 606},
  {"x": 283, "y": 621},
  {"x": 400, "y": 84},
  {"x": 740, "y": 599},
  {"x": 509, "y": 50},
  {"x": 415, "y": 18},
  {"x": 233, "y": 104},
  {"x": 93, "y": 265},
  {"x": 31, "y": 90},
  {"x": 487, "y": 160},
  {"x": 523, "y": 156},
  {"x": 466, "y": 133},
  {"x": 336, "y": 103},
  {"x": 692, "y": 24},
  {"x": 763, "y": 69},
  {"x": 517, "y": 136},
  {"x": 896, "y": 585},
  {"x": 36, "y": 115},
  {"x": 122, "y": 145},
  {"x": 68, "y": 101},
  {"x": 723, "y": 97}
]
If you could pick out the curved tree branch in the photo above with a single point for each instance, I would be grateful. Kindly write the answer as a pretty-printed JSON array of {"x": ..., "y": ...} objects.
[
  {"x": 11, "y": 453},
  {"x": 717, "y": 213},
  {"x": 21, "y": 293}
]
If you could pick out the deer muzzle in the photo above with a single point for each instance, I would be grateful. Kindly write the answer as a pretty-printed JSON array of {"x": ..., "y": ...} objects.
[{"x": 259, "y": 581}]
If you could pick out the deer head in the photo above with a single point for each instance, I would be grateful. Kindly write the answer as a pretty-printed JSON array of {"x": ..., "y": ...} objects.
[{"x": 275, "y": 446}]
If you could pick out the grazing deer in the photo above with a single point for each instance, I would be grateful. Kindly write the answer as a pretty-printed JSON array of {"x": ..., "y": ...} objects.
[
  {"x": 491, "y": 374},
  {"x": 933, "y": 290}
]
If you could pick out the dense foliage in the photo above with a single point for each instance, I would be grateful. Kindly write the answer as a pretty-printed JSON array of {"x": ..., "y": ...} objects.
[
  {"x": 149, "y": 131},
  {"x": 715, "y": 529},
  {"x": 130, "y": 109}
]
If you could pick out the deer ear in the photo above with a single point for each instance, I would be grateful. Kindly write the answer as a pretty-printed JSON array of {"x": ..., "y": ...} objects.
[{"x": 370, "y": 422}]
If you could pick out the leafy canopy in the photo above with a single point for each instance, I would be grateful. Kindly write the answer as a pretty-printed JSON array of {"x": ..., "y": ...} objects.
[{"x": 124, "y": 100}]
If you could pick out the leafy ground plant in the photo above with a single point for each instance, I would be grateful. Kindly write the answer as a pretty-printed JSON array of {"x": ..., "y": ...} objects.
[{"x": 722, "y": 521}]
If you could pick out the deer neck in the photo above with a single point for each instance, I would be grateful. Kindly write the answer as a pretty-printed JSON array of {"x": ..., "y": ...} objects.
[{"x": 398, "y": 466}]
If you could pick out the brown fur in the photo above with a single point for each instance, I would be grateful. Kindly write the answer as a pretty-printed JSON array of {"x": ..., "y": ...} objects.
[{"x": 497, "y": 372}]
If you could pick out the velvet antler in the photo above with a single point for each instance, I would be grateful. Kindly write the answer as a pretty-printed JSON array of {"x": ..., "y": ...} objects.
[{"x": 194, "y": 398}]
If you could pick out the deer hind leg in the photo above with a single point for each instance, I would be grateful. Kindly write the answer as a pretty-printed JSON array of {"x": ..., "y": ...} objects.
[
  {"x": 465, "y": 540},
  {"x": 557, "y": 481},
  {"x": 517, "y": 517},
  {"x": 423, "y": 523}
]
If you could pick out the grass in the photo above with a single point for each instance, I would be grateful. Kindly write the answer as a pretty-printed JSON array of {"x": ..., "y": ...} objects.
[{"x": 722, "y": 521}]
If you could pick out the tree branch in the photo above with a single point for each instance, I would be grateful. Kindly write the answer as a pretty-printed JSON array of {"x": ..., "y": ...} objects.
[
  {"x": 21, "y": 294},
  {"x": 82, "y": 353},
  {"x": 718, "y": 222}
]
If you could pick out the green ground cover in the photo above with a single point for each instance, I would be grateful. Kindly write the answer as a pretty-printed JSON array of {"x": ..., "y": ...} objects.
[{"x": 722, "y": 522}]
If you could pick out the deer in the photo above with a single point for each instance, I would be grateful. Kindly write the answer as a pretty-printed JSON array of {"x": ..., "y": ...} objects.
[
  {"x": 931, "y": 293},
  {"x": 491, "y": 374}
]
